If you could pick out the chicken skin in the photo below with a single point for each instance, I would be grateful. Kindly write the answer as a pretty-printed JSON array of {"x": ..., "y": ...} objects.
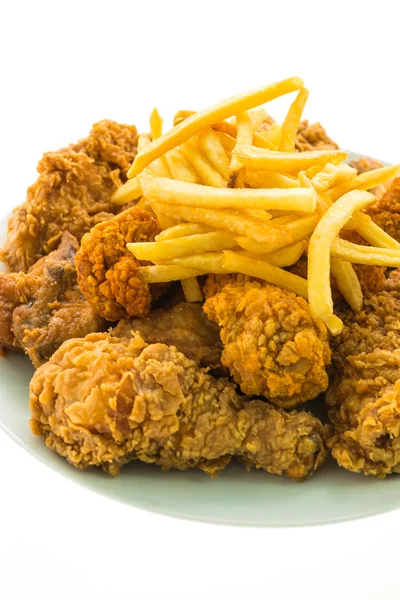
[
  {"x": 272, "y": 345},
  {"x": 41, "y": 309},
  {"x": 108, "y": 273},
  {"x": 386, "y": 211},
  {"x": 364, "y": 398},
  {"x": 184, "y": 326},
  {"x": 72, "y": 193},
  {"x": 152, "y": 403}
]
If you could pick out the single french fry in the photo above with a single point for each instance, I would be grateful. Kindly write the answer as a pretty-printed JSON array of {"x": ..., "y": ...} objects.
[
  {"x": 227, "y": 142},
  {"x": 268, "y": 138},
  {"x": 179, "y": 167},
  {"x": 365, "y": 255},
  {"x": 161, "y": 273},
  {"x": 257, "y": 213},
  {"x": 260, "y": 158},
  {"x": 371, "y": 232},
  {"x": 207, "y": 174},
  {"x": 299, "y": 229},
  {"x": 269, "y": 179},
  {"x": 156, "y": 123},
  {"x": 365, "y": 181},
  {"x": 207, "y": 262},
  {"x": 256, "y": 268},
  {"x": 319, "y": 249},
  {"x": 191, "y": 194},
  {"x": 181, "y": 115},
  {"x": 282, "y": 220},
  {"x": 332, "y": 175},
  {"x": 292, "y": 121},
  {"x": 257, "y": 117},
  {"x": 127, "y": 192},
  {"x": 334, "y": 324},
  {"x": 222, "y": 219},
  {"x": 214, "y": 151},
  {"x": 162, "y": 252},
  {"x": 348, "y": 283},
  {"x": 244, "y": 136},
  {"x": 165, "y": 221},
  {"x": 284, "y": 257},
  {"x": 191, "y": 290},
  {"x": 218, "y": 112},
  {"x": 182, "y": 230}
]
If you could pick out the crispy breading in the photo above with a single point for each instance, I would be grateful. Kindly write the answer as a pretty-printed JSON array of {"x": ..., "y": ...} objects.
[
  {"x": 152, "y": 403},
  {"x": 72, "y": 193},
  {"x": 364, "y": 398},
  {"x": 272, "y": 345},
  {"x": 313, "y": 137},
  {"x": 41, "y": 309},
  {"x": 107, "y": 271},
  {"x": 386, "y": 211},
  {"x": 184, "y": 326}
]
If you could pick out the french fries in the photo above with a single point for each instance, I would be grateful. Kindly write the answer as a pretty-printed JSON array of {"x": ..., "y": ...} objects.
[
  {"x": 285, "y": 257},
  {"x": 191, "y": 290},
  {"x": 200, "y": 165},
  {"x": 348, "y": 283},
  {"x": 163, "y": 273},
  {"x": 319, "y": 249},
  {"x": 262, "y": 270},
  {"x": 269, "y": 160},
  {"x": 214, "y": 151},
  {"x": 164, "y": 251},
  {"x": 207, "y": 262},
  {"x": 291, "y": 123},
  {"x": 244, "y": 135},
  {"x": 200, "y": 120},
  {"x": 365, "y": 255},
  {"x": 371, "y": 232},
  {"x": 182, "y": 230},
  {"x": 191, "y": 194},
  {"x": 131, "y": 190},
  {"x": 365, "y": 181}
]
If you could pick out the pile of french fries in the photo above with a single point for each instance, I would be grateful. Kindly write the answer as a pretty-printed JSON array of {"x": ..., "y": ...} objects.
[{"x": 232, "y": 195}]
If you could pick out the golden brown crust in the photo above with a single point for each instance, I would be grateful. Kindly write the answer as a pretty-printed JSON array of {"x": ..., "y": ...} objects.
[
  {"x": 272, "y": 345},
  {"x": 154, "y": 404},
  {"x": 386, "y": 211},
  {"x": 313, "y": 137},
  {"x": 107, "y": 271}
]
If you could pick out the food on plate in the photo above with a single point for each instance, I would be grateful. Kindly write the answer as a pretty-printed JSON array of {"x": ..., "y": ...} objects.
[
  {"x": 228, "y": 257},
  {"x": 41, "y": 309},
  {"x": 72, "y": 193},
  {"x": 184, "y": 326},
  {"x": 364, "y": 397},
  {"x": 272, "y": 345},
  {"x": 152, "y": 403},
  {"x": 108, "y": 273}
]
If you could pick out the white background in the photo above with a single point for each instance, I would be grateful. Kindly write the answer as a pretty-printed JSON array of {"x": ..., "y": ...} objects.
[{"x": 65, "y": 65}]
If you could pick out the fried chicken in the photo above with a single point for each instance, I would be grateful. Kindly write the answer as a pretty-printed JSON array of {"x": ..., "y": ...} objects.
[
  {"x": 313, "y": 137},
  {"x": 107, "y": 271},
  {"x": 184, "y": 326},
  {"x": 364, "y": 398},
  {"x": 72, "y": 193},
  {"x": 153, "y": 404},
  {"x": 386, "y": 211},
  {"x": 41, "y": 309},
  {"x": 272, "y": 345}
]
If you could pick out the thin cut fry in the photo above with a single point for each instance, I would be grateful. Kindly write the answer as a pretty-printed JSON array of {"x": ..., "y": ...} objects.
[
  {"x": 200, "y": 120},
  {"x": 192, "y": 244},
  {"x": 319, "y": 289},
  {"x": 182, "y": 230},
  {"x": 161, "y": 273},
  {"x": 226, "y": 140},
  {"x": 257, "y": 213},
  {"x": 299, "y": 229},
  {"x": 292, "y": 120},
  {"x": 334, "y": 324},
  {"x": 371, "y": 232},
  {"x": 156, "y": 123},
  {"x": 260, "y": 158},
  {"x": 348, "y": 283},
  {"x": 268, "y": 138},
  {"x": 332, "y": 175},
  {"x": 284, "y": 257},
  {"x": 179, "y": 167},
  {"x": 127, "y": 192},
  {"x": 191, "y": 290},
  {"x": 257, "y": 116},
  {"x": 269, "y": 179},
  {"x": 220, "y": 219},
  {"x": 365, "y": 181},
  {"x": 262, "y": 270},
  {"x": 207, "y": 174},
  {"x": 181, "y": 115},
  {"x": 208, "y": 262},
  {"x": 192, "y": 194},
  {"x": 244, "y": 136},
  {"x": 365, "y": 255},
  {"x": 214, "y": 151}
]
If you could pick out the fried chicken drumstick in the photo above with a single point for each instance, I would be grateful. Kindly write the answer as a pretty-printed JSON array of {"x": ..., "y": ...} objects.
[
  {"x": 152, "y": 403},
  {"x": 72, "y": 193},
  {"x": 272, "y": 345},
  {"x": 364, "y": 398},
  {"x": 41, "y": 309}
]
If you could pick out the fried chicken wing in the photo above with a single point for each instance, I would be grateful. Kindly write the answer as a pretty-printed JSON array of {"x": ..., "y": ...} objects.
[
  {"x": 386, "y": 211},
  {"x": 153, "y": 404},
  {"x": 72, "y": 193},
  {"x": 184, "y": 326},
  {"x": 41, "y": 309},
  {"x": 272, "y": 345},
  {"x": 107, "y": 271},
  {"x": 364, "y": 398}
]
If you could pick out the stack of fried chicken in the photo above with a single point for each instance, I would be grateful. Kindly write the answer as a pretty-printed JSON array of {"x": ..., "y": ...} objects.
[{"x": 129, "y": 371}]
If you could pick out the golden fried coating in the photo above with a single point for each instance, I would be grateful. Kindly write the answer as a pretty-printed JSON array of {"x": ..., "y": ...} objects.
[
  {"x": 364, "y": 398},
  {"x": 41, "y": 309},
  {"x": 215, "y": 283},
  {"x": 153, "y": 404},
  {"x": 107, "y": 271},
  {"x": 72, "y": 193},
  {"x": 386, "y": 211},
  {"x": 184, "y": 326},
  {"x": 272, "y": 345},
  {"x": 313, "y": 137}
]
